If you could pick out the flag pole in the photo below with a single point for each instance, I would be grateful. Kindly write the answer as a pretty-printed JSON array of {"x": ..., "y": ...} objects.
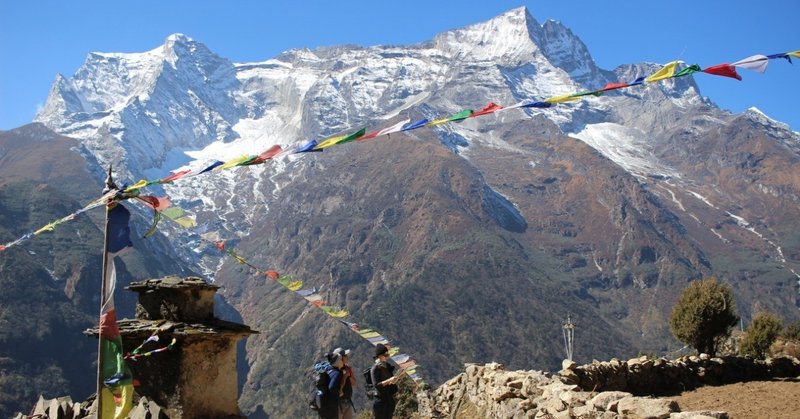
[{"x": 110, "y": 185}]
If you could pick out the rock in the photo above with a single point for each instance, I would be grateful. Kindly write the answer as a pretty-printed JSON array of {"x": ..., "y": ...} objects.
[
  {"x": 584, "y": 412},
  {"x": 569, "y": 377},
  {"x": 568, "y": 364},
  {"x": 703, "y": 357},
  {"x": 602, "y": 400},
  {"x": 645, "y": 407},
  {"x": 554, "y": 405},
  {"x": 701, "y": 414}
]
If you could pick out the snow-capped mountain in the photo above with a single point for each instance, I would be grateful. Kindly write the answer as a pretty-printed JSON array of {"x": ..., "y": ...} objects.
[
  {"x": 603, "y": 208},
  {"x": 152, "y": 112}
]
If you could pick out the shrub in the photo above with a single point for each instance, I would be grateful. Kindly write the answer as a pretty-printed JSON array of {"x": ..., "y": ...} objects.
[
  {"x": 760, "y": 335},
  {"x": 792, "y": 331},
  {"x": 704, "y": 315}
]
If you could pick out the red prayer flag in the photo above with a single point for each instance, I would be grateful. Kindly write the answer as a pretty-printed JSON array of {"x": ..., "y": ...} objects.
[
  {"x": 270, "y": 153},
  {"x": 369, "y": 136},
  {"x": 725, "y": 70},
  {"x": 273, "y": 275},
  {"x": 612, "y": 86},
  {"x": 156, "y": 203},
  {"x": 220, "y": 245},
  {"x": 489, "y": 108},
  {"x": 174, "y": 176}
]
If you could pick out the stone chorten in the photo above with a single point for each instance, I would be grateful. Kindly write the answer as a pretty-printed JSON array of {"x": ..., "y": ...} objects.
[{"x": 197, "y": 378}]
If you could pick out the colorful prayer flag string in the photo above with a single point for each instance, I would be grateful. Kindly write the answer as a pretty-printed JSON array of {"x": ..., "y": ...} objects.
[{"x": 756, "y": 63}]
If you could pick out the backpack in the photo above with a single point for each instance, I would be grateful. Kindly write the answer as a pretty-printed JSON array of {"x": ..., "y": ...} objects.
[
  {"x": 368, "y": 385},
  {"x": 321, "y": 381}
]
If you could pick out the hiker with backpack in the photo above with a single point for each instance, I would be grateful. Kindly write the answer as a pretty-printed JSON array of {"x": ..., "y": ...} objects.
[
  {"x": 385, "y": 384},
  {"x": 346, "y": 407},
  {"x": 327, "y": 385}
]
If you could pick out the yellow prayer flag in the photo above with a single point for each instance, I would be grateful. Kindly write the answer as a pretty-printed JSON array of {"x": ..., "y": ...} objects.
[
  {"x": 138, "y": 185},
  {"x": 795, "y": 53},
  {"x": 562, "y": 99},
  {"x": 231, "y": 163},
  {"x": 185, "y": 222},
  {"x": 295, "y": 285},
  {"x": 370, "y": 334},
  {"x": 334, "y": 311},
  {"x": 666, "y": 72},
  {"x": 329, "y": 142},
  {"x": 438, "y": 122},
  {"x": 49, "y": 227}
]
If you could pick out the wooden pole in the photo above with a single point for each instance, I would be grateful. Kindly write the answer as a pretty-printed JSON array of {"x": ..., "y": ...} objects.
[{"x": 110, "y": 185}]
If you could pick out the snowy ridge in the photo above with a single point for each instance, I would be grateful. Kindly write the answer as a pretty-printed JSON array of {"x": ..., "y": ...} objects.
[{"x": 180, "y": 104}]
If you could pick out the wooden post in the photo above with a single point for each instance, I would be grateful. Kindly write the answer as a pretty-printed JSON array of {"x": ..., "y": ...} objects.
[{"x": 110, "y": 185}]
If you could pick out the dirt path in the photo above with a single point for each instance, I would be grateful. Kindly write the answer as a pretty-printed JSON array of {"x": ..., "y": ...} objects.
[{"x": 779, "y": 399}]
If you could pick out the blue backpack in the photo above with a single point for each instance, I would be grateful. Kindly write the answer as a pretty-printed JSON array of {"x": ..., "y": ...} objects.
[{"x": 321, "y": 381}]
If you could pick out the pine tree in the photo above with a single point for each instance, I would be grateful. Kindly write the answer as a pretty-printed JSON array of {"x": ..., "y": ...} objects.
[
  {"x": 760, "y": 335},
  {"x": 704, "y": 315}
]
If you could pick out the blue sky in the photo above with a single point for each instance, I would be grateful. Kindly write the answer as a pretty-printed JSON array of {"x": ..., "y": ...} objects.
[{"x": 39, "y": 39}]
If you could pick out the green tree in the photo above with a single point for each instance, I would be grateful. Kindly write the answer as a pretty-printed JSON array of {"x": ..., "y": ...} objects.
[
  {"x": 704, "y": 315},
  {"x": 792, "y": 331},
  {"x": 760, "y": 335}
]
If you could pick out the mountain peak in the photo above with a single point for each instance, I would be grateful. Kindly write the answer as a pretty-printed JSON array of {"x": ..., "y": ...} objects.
[{"x": 510, "y": 37}]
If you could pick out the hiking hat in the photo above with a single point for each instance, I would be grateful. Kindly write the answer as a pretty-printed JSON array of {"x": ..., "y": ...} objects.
[
  {"x": 342, "y": 352},
  {"x": 333, "y": 357},
  {"x": 381, "y": 349}
]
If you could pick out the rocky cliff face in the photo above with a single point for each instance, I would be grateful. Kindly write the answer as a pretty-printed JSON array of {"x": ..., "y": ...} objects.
[{"x": 463, "y": 243}]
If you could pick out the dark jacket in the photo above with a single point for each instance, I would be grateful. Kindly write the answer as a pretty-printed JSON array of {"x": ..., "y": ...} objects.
[{"x": 380, "y": 372}]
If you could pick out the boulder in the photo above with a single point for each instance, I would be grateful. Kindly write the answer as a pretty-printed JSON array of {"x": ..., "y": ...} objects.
[
  {"x": 604, "y": 399},
  {"x": 646, "y": 407}
]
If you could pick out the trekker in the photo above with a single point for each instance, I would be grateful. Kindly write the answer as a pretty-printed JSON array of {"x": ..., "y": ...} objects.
[
  {"x": 330, "y": 403},
  {"x": 346, "y": 407},
  {"x": 382, "y": 375}
]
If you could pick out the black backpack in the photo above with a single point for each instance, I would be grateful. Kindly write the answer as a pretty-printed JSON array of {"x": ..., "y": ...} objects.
[
  {"x": 321, "y": 381},
  {"x": 371, "y": 390}
]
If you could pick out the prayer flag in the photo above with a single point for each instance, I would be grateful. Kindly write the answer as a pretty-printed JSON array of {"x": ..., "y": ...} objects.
[
  {"x": 308, "y": 147},
  {"x": 520, "y": 104},
  {"x": 138, "y": 185},
  {"x": 540, "y": 105},
  {"x": 491, "y": 107},
  {"x": 725, "y": 70},
  {"x": 415, "y": 125},
  {"x": 386, "y": 131},
  {"x": 156, "y": 203},
  {"x": 794, "y": 53},
  {"x": 212, "y": 166},
  {"x": 334, "y": 312},
  {"x": 638, "y": 81},
  {"x": 756, "y": 63},
  {"x": 666, "y": 72},
  {"x": 688, "y": 70},
  {"x": 613, "y": 86},
  {"x": 174, "y": 176},
  {"x": 117, "y": 381},
  {"x": 560, "y": 99},
  {"x": 234, "y": 162},
  {"x": 453, "y": 118},
  {"x": 340, "y": 139},
  {"x": 266, "y": 155},
  {"x": 786, "y": 55}
]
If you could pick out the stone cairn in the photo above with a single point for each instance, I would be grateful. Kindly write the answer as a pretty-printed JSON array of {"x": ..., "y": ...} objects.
[
  {"x": 606, "y": 390},
  {"x": 196, "y": 379}
]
